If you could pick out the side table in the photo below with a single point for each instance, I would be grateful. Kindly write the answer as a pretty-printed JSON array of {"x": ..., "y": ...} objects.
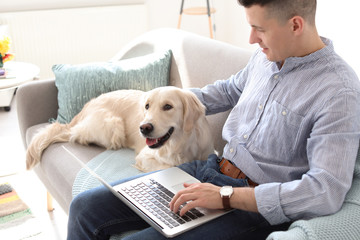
[{"x": 19, "y": 73}]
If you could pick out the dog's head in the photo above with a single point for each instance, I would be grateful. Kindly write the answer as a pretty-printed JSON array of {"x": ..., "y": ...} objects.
[{"x": 169, "y": 113}]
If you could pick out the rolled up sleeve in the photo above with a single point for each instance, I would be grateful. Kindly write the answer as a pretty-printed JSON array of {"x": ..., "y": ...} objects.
[{"x": 268, "y": 203}]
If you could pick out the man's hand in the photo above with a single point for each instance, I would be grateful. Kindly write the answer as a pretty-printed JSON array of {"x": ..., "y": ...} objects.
[
  {"x": 204, "y": 195},
  {"x": 207, "y": 195}
]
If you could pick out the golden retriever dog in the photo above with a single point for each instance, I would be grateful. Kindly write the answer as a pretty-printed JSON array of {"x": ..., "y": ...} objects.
[{"x": 165, "y": 126}]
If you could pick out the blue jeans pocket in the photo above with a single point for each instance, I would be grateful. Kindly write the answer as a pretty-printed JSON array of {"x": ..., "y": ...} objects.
[
  {"x": 211, "y": 174},
  {"x": 209, "y": 171},
  {"x": 217, "y": 178}
]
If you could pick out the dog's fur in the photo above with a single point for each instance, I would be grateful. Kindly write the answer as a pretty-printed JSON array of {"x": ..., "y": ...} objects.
[{"x": 124, "y": 118}]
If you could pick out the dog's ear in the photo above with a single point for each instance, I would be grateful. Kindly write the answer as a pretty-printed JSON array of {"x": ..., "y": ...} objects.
[{"x": 193, "y": 109}]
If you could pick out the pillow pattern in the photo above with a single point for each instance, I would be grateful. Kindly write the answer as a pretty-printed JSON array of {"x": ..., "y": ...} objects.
[{"x": 78, "y": 84}]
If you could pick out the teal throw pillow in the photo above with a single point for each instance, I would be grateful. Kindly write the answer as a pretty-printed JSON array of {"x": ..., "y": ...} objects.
[{"x": 78, "y": 84}]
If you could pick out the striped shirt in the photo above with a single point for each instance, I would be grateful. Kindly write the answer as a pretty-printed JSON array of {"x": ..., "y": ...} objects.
[{"x": 295, "y": 130}]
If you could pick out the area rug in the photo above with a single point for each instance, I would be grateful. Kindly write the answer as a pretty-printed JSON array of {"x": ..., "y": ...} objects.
[{"x": 16, "y": 219}]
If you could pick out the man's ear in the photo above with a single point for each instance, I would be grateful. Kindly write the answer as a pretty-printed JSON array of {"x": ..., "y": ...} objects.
[{"x": 297, "y": 25}]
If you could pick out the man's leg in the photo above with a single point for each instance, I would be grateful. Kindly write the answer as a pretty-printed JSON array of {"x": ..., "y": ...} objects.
[{"x": 235, "y": 225}]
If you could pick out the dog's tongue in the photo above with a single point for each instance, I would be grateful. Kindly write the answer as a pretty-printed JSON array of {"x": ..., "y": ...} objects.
[{"x": 151, "y": 141}]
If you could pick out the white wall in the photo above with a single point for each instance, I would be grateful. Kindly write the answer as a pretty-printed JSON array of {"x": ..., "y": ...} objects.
[
  {"x": 339, "y": 21},
  {"x": 231, "y": 25},
  {"x": 72, "y": 35},
  {"x": 35, "y": 5},
  {"x": 336, "y": 20}
]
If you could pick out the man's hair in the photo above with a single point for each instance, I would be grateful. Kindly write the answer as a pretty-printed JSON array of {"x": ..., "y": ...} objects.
[{"x": 284, "y": 10}]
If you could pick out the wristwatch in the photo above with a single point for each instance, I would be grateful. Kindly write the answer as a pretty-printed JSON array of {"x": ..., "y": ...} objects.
[{"x": 225, "y": 193}]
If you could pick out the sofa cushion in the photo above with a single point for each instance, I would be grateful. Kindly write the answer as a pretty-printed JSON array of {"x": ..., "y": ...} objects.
[
  {"x": 77, "y": 84},
  {"x": 110, "y": 165}
]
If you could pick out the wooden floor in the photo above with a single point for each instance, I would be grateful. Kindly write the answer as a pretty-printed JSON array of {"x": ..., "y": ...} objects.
[{"x": 27, "y": 185}]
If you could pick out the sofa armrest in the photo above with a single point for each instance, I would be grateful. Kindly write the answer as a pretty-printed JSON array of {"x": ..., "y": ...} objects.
[{"x": 36, "y": 103}]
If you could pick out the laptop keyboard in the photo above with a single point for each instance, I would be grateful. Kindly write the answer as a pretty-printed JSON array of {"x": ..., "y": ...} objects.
[{"x": 156, "y": 198}]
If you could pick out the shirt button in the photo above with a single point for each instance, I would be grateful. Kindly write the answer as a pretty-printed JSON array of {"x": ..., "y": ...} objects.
[
  {"x": 231, "y": 150},
  {"x": 246, "y": 136},
  {"x": 284, "y": 113},
  {"x": 260, "y": 107},
  {"x": 276, "y": 76}
]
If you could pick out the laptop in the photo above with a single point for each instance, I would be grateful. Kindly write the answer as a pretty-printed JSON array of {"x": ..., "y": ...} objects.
[{"x": 149, "y": 197}]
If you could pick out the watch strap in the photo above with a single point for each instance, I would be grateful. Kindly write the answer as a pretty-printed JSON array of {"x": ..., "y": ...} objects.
[{"x": 226, "y": 202}]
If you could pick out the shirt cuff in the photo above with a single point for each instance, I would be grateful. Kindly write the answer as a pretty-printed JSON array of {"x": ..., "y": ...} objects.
[{"x": 268, "y": 202}]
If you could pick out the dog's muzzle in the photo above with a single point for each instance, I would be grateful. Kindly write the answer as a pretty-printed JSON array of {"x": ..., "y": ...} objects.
[{"x": 147, "y": 128}]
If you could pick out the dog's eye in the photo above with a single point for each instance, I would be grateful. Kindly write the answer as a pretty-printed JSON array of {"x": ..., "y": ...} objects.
[
  {"x": 147, "y": 106},
  {"x": 167, "y": 107}
]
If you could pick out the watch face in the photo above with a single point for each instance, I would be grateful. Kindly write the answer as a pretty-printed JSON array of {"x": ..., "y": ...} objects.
[{"x": 226, "y": 191}]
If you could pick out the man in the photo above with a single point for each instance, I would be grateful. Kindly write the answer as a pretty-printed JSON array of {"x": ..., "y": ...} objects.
[{"x": 293, "y": 131}]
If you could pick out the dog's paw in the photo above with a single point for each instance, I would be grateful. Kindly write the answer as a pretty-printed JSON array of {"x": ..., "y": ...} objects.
[{"x": 149, "y": 164}]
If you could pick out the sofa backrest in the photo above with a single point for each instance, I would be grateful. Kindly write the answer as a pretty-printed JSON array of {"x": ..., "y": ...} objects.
[{"x": 197, "y": 61}]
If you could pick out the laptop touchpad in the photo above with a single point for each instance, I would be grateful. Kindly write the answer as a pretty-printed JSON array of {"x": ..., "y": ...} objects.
[{"x": 180, "y": 186}]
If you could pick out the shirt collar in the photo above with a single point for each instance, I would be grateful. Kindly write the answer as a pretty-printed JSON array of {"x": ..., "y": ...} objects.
[{"x": 293, "y": 62}]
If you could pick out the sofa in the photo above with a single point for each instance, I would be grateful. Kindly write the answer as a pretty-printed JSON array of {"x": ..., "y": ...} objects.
[{"x": 195, "y": 61}]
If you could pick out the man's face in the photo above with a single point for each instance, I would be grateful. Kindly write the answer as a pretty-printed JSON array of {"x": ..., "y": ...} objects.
[{"x": 273, "y": 37}]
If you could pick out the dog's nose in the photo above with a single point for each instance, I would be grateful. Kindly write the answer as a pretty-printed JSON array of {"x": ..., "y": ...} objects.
[{"x": 146, "y": 128}]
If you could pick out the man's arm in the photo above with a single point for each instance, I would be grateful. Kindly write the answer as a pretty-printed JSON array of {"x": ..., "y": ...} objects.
[{"x": 331, "y": 149}]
